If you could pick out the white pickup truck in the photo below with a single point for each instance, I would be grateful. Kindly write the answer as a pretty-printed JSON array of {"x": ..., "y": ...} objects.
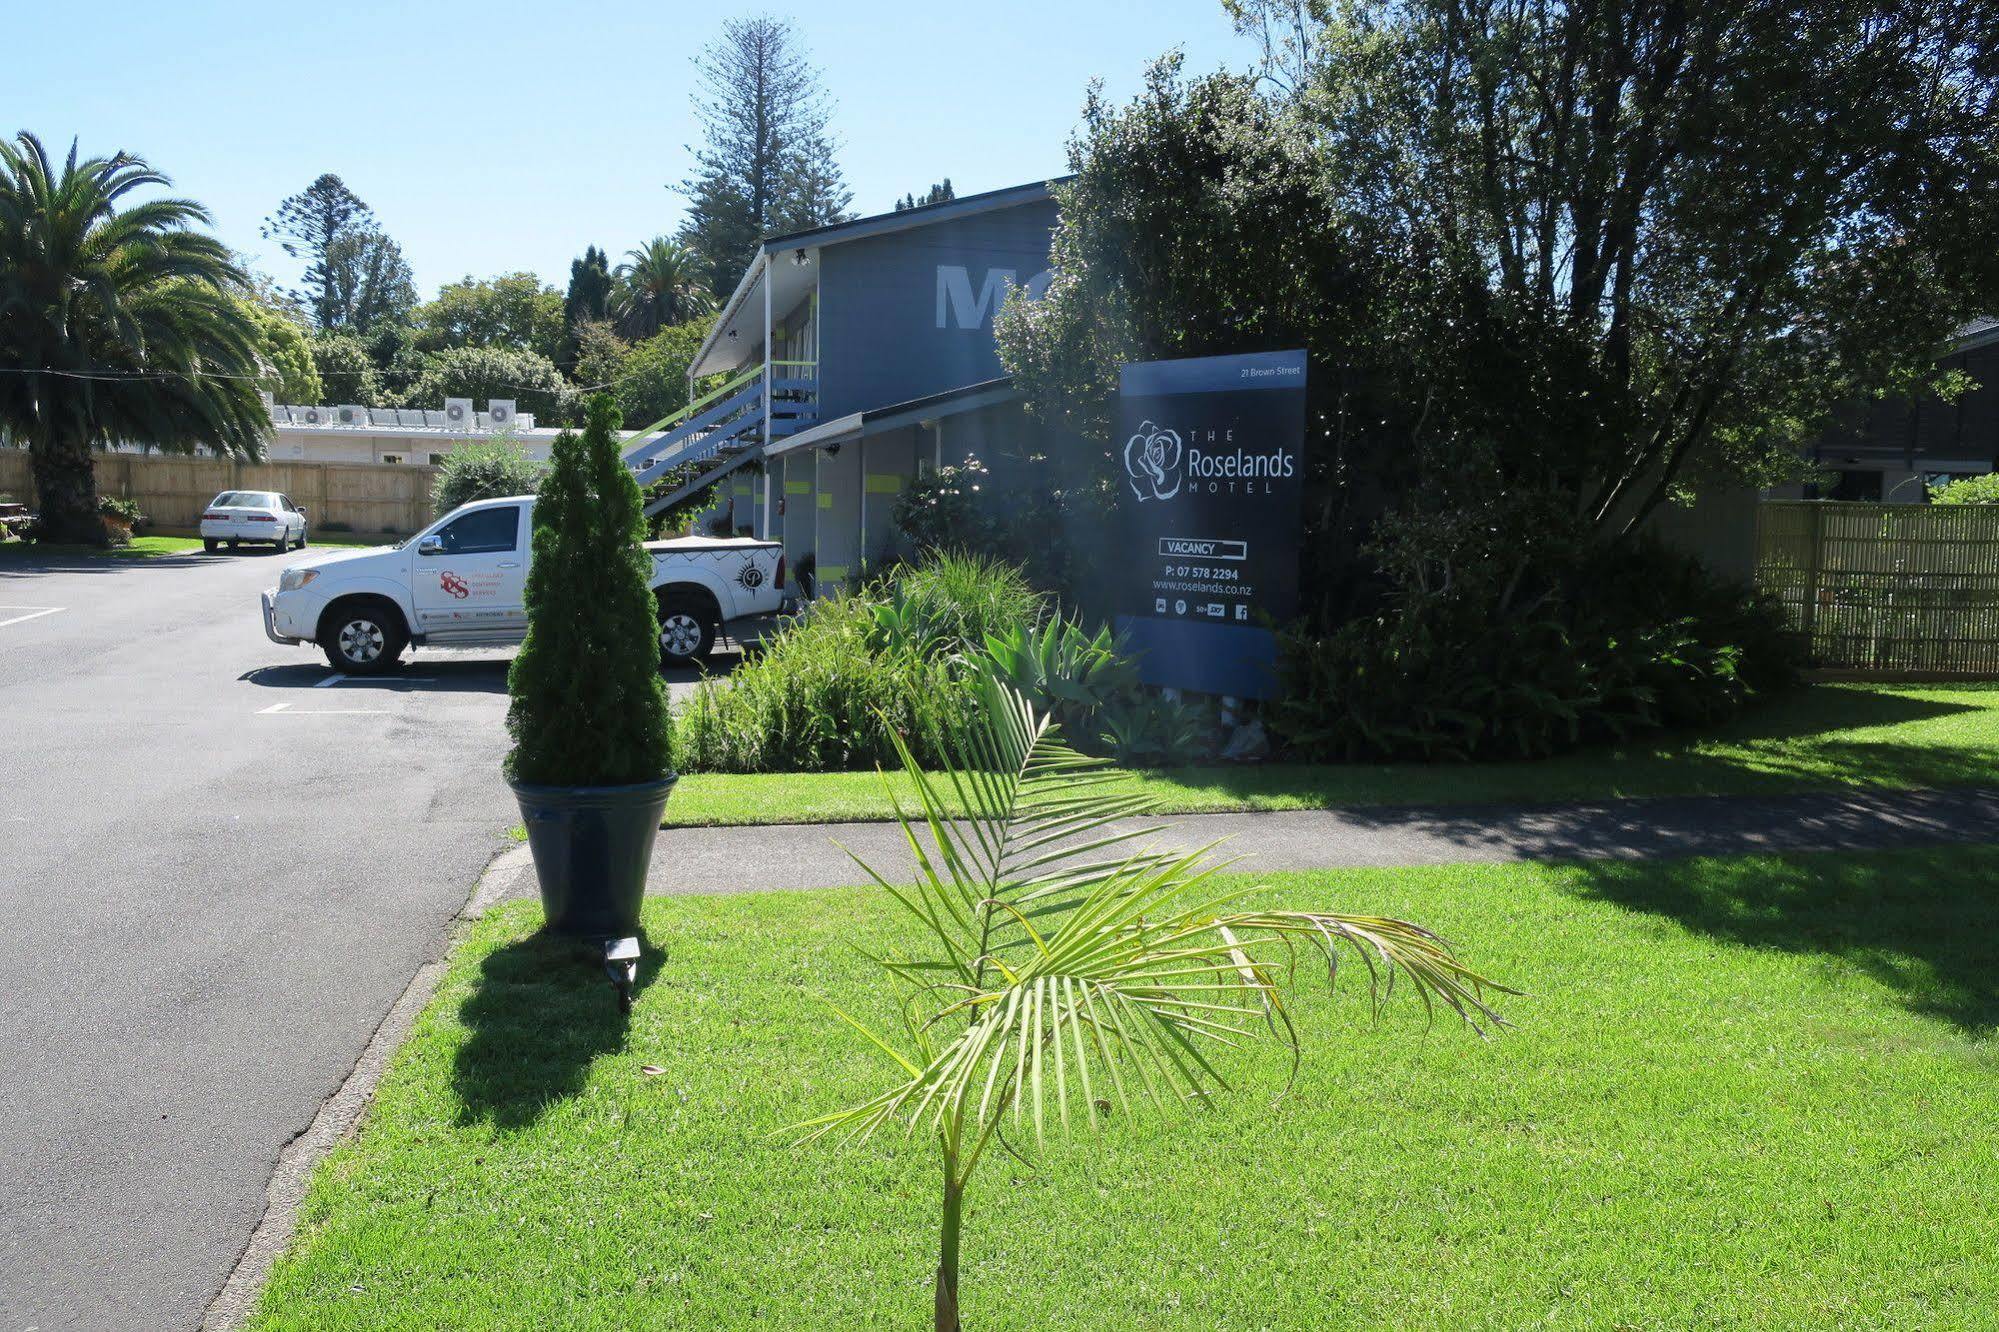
[{"x": 461, "y": 582}]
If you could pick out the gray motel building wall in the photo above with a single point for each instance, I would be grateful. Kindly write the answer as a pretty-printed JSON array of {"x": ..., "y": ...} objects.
[
  {"x": 882, "y": 328},
  {"x": 890, "y": 320}
]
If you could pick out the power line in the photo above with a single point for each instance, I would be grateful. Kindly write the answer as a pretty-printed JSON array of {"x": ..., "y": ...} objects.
[
  {"x": 128, "y": 376},
  {"x": 121, "y": 376}
]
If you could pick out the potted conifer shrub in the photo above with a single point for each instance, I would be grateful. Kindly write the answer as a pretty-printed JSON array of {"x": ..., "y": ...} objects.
[{"x": 589, "y": 713}]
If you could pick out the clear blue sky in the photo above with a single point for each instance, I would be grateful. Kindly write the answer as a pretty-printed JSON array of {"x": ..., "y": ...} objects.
[{"x": 492, "y": 136}]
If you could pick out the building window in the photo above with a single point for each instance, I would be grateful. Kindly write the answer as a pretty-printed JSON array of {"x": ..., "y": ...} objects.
[
  {"x": 392, "y": 457},
  {"x": 437, "y": 460},
  {"x": 1862, "y": 486}
]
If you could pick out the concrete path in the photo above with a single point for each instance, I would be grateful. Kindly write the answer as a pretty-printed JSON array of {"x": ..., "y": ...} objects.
[{"x": 724, "y": 860}]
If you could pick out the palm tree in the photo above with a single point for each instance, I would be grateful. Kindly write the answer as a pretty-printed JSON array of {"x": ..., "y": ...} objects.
[
  {"x": 1060, "y": 965},
  {"x": 115, "y": 324},
  {"x": 659, "y": 285}
]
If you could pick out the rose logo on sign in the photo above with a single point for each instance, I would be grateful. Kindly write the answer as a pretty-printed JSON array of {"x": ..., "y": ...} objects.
[
  {"x": 1152, "y": 459},
  {"x": 454, "y": 585}
]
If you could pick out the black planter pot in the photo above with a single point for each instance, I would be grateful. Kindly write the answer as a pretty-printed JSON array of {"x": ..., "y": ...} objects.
[{"x": 592, "y": 846}]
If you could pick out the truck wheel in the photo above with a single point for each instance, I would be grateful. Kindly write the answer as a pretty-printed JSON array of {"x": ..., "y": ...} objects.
[
  {"x": 686, "y": 631},
  {"x": 362, "y": 637}
]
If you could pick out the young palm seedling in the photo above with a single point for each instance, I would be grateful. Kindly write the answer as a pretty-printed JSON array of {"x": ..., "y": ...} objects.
[{"x": 1064, "y": 965}]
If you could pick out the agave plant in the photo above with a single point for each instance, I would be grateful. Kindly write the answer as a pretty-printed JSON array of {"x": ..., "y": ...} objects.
[
  {"x": 1060, "y": 664},
  {"x": 1060, "y": 965}
]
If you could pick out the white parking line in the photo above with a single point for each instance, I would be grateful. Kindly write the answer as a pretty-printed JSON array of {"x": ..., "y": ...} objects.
[
  {"x": 284, "y": 710},
  {"x": 34, "y": 612}
]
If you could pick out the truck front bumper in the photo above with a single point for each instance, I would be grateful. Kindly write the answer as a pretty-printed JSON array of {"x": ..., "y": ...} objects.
[{"x": 271, "y": 622}]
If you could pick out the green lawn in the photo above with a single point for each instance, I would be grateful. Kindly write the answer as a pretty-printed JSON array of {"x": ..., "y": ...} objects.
[
  {"x": 141, "y": 548},
  {"x": 1751, "y": 1093},
  {"x": 1820, "y": 736}
]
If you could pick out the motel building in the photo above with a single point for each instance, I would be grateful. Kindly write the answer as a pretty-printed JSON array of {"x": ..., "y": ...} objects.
[
  {"x": 354, "y": 434},
  {"x": 858, "y": 356},
  {"x": 350, "y": 433}
]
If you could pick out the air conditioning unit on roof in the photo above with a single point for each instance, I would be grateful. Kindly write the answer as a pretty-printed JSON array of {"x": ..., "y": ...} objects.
[
  {"x": 311, "y": 416},
  {"x": 351, "y": 414},
  {"x": 458, "y": 413},
  {"x": 500, "y": 411}
]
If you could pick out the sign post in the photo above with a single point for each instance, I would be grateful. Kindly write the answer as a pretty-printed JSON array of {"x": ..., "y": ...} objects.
[{"x": 1213, "y": 462}]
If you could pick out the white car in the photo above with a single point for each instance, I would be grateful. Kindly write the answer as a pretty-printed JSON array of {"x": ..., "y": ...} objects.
[
  {"x": 461, "y": 582},
  {"x": 262, "y": 516}
]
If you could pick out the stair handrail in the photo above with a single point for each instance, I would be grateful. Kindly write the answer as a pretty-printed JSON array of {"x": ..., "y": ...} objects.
[
  {"x": 707, "y": 399},
  {"x": 745, "y": 406}
]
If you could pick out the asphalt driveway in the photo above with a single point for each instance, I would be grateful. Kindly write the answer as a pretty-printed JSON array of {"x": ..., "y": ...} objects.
[{"x": 219, "y": 866}]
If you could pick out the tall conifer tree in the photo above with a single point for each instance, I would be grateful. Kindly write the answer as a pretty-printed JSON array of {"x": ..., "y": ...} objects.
[
  {"x": 589, "y": 288},
  {"x": 768, "y": 164}
]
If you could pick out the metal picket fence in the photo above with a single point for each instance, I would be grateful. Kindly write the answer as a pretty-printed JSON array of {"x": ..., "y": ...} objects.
[{"x": 1886, "y": 587}]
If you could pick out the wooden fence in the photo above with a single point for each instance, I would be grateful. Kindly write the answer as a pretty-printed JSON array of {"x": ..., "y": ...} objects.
[
  {"x": 1887, "y": 587},
  {"x": 370, "y": 499}
]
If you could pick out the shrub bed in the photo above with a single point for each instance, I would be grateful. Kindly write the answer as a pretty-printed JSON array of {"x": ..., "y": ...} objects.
[
  {"x": 489, "y": 469},
  {"x": 1478, "y": 656},
  {"x": 903, "y": 653},
  {"x": 822, "y": 696}
]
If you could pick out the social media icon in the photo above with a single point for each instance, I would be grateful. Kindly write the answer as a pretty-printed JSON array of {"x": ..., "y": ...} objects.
[
  {"x": 1242, "y": 612},
  {"x": 1159, "y": 605},
  {"x": 1215, "y": 609},
  {"x": 1180, "y": 608}
]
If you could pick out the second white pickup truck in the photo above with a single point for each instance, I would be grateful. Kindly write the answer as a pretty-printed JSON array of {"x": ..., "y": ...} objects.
[{"x": 461, "y": 582}]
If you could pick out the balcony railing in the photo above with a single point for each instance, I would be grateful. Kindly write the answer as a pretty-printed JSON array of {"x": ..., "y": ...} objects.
[{"x": 726, "y": 425}]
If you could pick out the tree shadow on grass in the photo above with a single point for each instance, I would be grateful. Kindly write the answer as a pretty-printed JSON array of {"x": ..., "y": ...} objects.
[
  {"x": 1825, "y": 709},
  {"x": 540, "y": 1013},
  {"x": 1798, "y": 740},
  {"x": 1924, "y": 924}
]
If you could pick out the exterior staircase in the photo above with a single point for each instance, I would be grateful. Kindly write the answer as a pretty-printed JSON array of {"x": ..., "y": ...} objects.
[{"x": 725, "y": 428}]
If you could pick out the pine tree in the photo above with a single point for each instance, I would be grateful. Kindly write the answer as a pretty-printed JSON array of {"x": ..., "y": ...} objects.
[
  {"x": 768, "y": 164},
  {"x": 942, "y": 193},
  {"x": 587, "y": 302},
  {"x": 355, "y": 276},
  {"x": 589, "y": 708},
  {"x": 371, "y": 283},
  {"x": 589, "y": 295}
]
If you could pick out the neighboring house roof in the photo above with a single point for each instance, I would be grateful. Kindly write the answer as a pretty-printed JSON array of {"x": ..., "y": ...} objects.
[
  {"x": 1923, "y": 432},
  {"x": 1977, "y": 333}
]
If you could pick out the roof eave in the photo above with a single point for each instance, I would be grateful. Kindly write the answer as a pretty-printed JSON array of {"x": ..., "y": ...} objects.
[
  {"x": 746, "y": 284},
  {"x": 923, "y": 215}
]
